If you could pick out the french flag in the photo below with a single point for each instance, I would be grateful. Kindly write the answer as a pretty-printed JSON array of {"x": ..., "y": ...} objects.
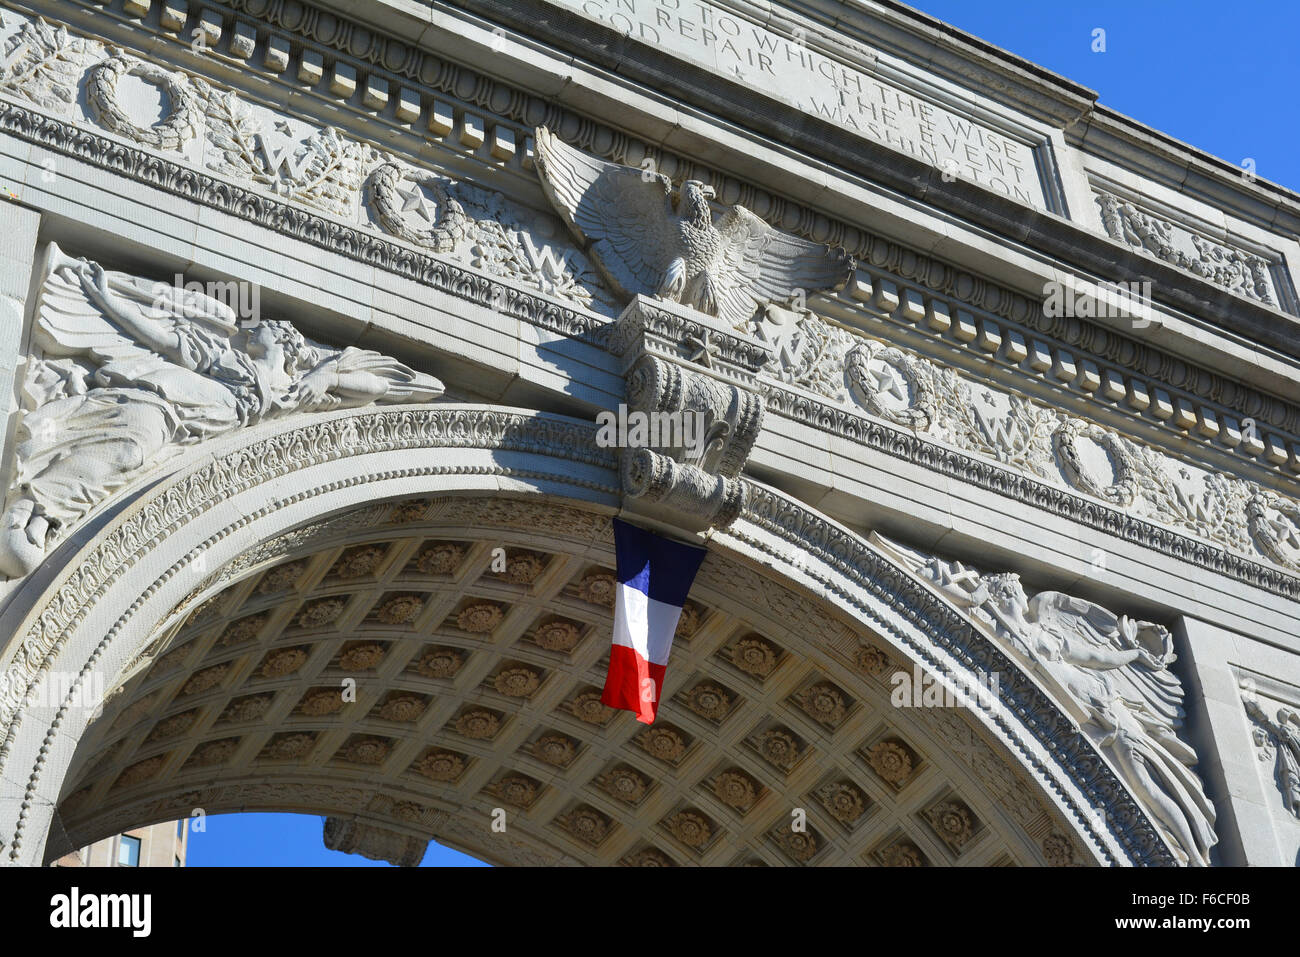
[{"x": 654, "y": 576}]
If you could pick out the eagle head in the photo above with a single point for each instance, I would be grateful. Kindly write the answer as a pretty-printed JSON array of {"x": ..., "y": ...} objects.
[{"x": 694, "y": 201}]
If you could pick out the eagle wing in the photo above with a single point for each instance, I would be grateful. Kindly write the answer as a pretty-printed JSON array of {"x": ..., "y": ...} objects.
[
  {"x": 756, "y": 264},
  {"x": 623, "y": 217}
]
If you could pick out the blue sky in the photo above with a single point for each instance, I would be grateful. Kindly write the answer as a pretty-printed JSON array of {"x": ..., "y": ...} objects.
[
  {"x": 1219, "y": 76},
  {"x": 286, "y": 840}
]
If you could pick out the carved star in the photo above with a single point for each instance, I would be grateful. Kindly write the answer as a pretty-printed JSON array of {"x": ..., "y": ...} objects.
[
  {"x": 703, "y": 348},
  {"x": 889, "y": 382},
  {"x": 282, "y": 127},
  {"x": 414, "y": 200}
]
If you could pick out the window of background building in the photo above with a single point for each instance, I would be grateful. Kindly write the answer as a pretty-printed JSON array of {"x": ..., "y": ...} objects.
[{"x": 128, "y": 852}]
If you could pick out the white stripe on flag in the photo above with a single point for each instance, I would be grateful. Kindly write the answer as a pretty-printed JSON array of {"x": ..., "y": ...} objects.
[{"x": 644, "y": 624}]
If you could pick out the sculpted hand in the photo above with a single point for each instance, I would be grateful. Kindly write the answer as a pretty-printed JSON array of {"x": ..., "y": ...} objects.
[{"x": 312, "y": 390}]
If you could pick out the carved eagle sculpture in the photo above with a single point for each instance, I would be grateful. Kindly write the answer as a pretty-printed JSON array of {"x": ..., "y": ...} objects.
[{"x": 644, "y": 242}]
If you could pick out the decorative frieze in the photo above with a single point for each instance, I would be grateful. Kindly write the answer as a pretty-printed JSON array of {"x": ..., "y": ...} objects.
[
  {"x": 1276, "y": 735},
  {"x": 1238, "y": 431},
  {"x": 1245, "y": 274}
]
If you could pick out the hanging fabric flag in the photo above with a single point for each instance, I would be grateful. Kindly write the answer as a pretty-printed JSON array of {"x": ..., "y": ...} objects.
[{"x": 654, "y": 576}]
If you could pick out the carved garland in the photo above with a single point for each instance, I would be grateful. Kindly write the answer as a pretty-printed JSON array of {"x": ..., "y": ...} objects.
[
  {"x": 182, "y": 123},
  {"x": 1124, "y": 489}
]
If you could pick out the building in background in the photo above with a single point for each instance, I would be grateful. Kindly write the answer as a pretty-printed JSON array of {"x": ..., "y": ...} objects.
[{"x": 158, "y": 845}]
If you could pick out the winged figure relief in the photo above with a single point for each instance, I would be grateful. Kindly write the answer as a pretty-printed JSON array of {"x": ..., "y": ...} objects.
[
  {"x": 1115, "y": 673},
  {"x": 648, "y": 239},
  {"x": 132, "y": 369}
]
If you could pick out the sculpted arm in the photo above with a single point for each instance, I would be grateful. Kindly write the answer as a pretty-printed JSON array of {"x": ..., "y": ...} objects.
[{"x": 160, "y": 337}]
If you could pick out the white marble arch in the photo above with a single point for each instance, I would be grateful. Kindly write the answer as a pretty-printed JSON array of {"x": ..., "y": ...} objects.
[{"x": 109, "y": 590}]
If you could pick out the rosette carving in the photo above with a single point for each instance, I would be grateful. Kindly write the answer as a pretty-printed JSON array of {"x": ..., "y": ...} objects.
[
  {"x": 736, "y": 789},
  {"x": 557, "y": 635},
  {"x": 478, "y": 724},
  {"x": 778, "y": 748},
  {"x": 203, "y": 680},
  {"x": 517, "y": 682},
  {"x": 823, "y": 702},
  {"x": 362, "y": 656},
  {"x": 598, "y": 588},
  {"x": 366, "y": 751},
  {"x": 755, "y": 656},
  {"x": 281, "y": 577},
  {"x": 245, "y": 629},
  {"x": 555, "y": 749},
  {"x": 283, "y": 662},
  {"x": 400, "y": 609},
  {"x": 440, "y": 663},
  {"x": 359, "y": 562},
  {"x": 321, "y": 701},
  {"x": 480, "y": 619},
  {"x": 690, "y": 828},
  {"x": 585, "y": 823},
  {"x": 516, "y": 790},
  {"x": 402, "y": 707},
  {"x": 843, "y": 800},
  {"x": 250, "y": 708},
  {"x": 624, "y": 784},
  {"x": 663, "y": 743},
  {"x": 709, "y": 701},
  {"x": 589, "y": 708},
  {"x": 285, "y": 747},
  {"x": 440, "y": 559},
  {"x": 440, "y": 765},
  {"x": 319, "y": 613},
  {"x": 892, "y": 761}
]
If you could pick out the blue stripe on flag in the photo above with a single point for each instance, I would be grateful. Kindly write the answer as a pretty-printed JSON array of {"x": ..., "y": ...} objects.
[{"x": 657, "y": 566}]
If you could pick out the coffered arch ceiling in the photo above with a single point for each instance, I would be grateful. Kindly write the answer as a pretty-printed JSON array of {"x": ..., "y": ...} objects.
[{"x": 477, "y": 687}]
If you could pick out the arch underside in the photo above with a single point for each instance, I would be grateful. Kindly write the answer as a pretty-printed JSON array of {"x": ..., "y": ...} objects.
[
  {"x": 229, "y": 605},
  {"x": 478, "y": 689}
]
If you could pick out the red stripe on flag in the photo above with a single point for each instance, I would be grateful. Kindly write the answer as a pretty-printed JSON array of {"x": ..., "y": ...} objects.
[{"x": 633, "y": 684}]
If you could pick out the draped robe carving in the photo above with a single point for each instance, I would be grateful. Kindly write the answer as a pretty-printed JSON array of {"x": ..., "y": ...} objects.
[
  {"x": 132, "y": 369},
  {"x": 1113, "y": 674}
]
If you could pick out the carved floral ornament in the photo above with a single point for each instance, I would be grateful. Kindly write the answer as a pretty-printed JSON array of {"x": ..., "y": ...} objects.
[
  {"x": 37, "y": 77},
  {"x": 1244, "y": 273},
  {"x": 1032, "y": 439},
  {"x": 53, "y": 59}
]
